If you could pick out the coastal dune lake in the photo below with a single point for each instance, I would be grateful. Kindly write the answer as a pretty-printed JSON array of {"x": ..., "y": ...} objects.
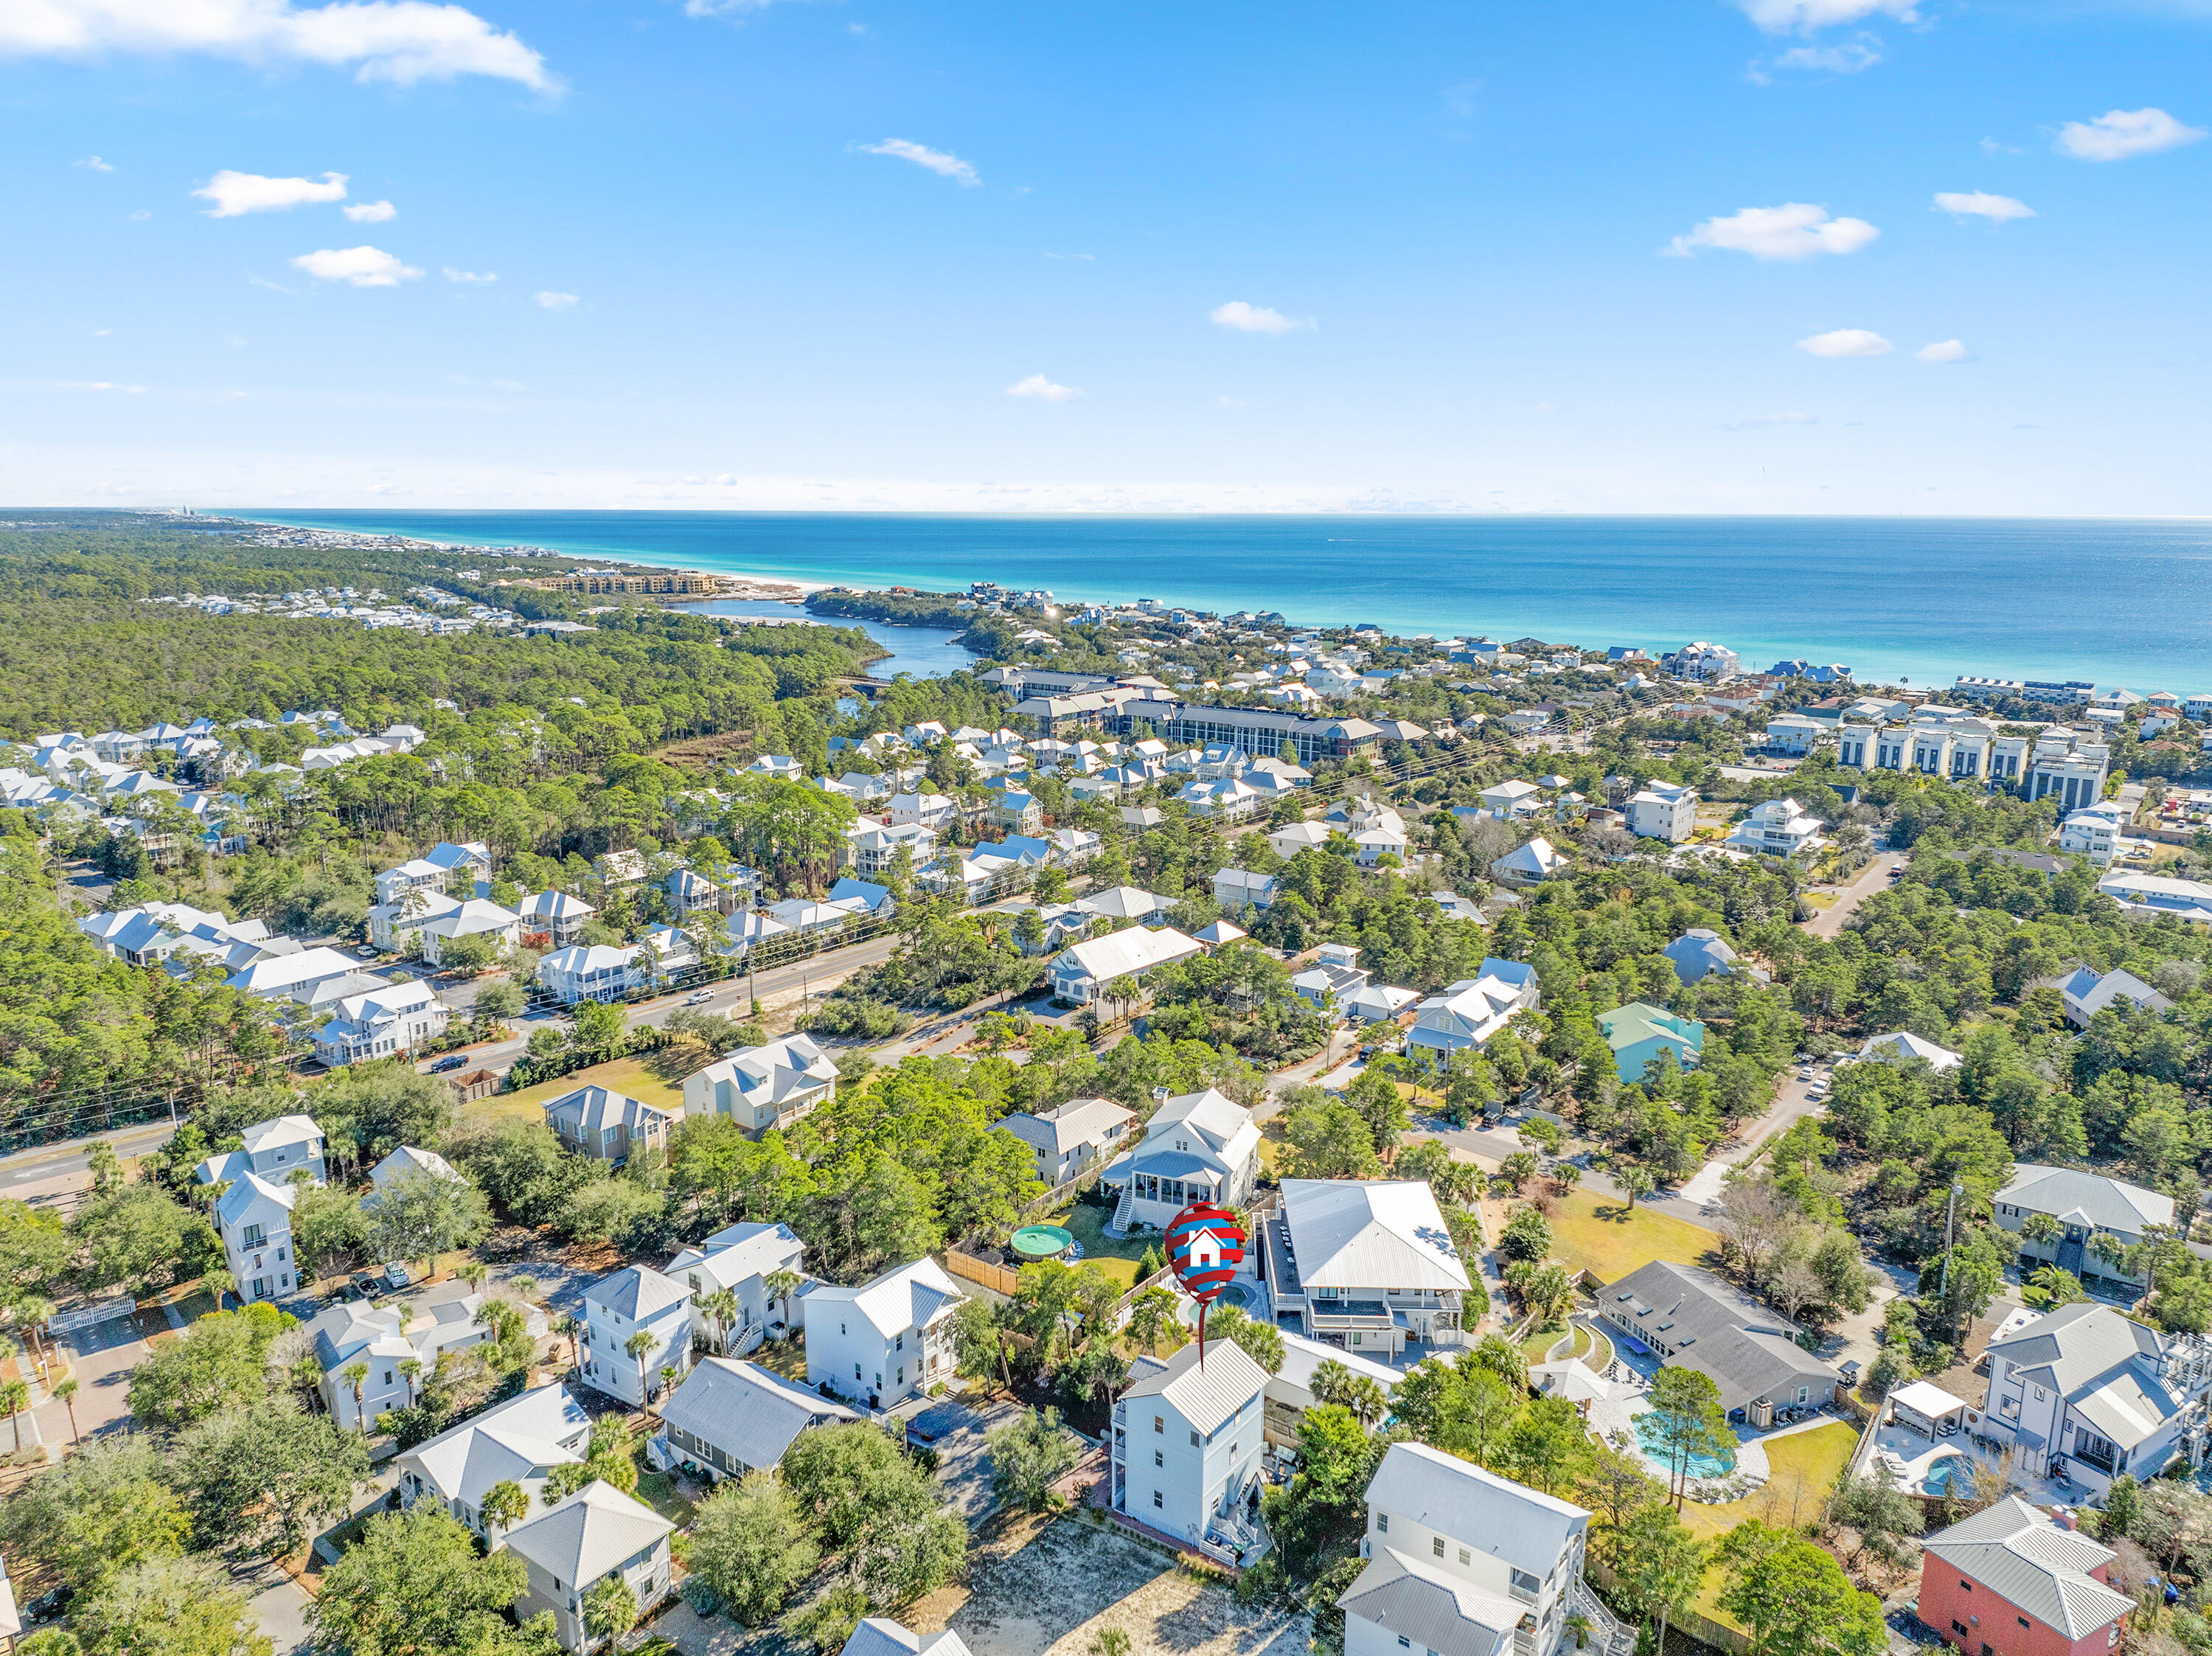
[{"x": 2113, "y": 601}]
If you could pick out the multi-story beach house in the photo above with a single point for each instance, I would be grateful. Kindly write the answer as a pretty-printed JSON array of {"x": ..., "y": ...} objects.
[
  {"x": 2097, "y": 1396},
  {"x": 1365, "y": 1264},
  {"x": 1202, "y": 1147},
  {"x": 1186, "y": 1447},
  {"x": 884, "y": 1340}
]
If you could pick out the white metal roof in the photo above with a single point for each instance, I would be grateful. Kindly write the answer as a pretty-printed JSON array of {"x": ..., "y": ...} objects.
[
  {"x": 1205, "y": 1397},
  {"x": 1370, "y": 1232}
]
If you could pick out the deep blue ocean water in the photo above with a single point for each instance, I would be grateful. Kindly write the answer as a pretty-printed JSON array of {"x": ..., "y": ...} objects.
[{"x": 2115, "y": 601}]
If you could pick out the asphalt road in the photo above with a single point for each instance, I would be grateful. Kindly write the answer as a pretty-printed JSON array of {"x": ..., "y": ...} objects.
[{"x": 73, "y": 1157}]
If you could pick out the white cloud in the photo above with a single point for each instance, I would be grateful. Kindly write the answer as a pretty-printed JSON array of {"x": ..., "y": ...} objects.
[
  {"x": 1979, "y": 204},
  {"x": 93, "y": 164},
  {"x": 401, "y": 41},
  {"x": 101, "y": 333},
  {"x": 1845, "y": 57},
  {"x": 1847, "y": 341},
  {"x": 2119, "y": 133},
  {"x": 451, "y": 275},
  {"x": 370, "y": 212},
  {"x": 362, "y": 267},
  {"x": 235, "y": 193},
  {"x": 1253, "y": 318},
  {"x": 98, "y": 384},
  {"x": 140, "y": 216},
  {"x": 1794, "y": 230},
  {"x": 1943, "y": 351},
  {"x": 1042, "y": 389},
  {"x": 553, "y": 301},
  {"x": 1805, "y": 16},
  {"x": 941, "y": 163}
]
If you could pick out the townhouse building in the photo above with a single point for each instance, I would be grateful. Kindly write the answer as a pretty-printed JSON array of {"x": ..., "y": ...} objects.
[{"x": 1186, "y": 1445}]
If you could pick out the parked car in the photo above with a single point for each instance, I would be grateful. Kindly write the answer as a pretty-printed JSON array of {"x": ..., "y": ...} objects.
[
  {"x": 396, "y": 1275},
  {"x": 367, "y": 951},
  {"x": 699, "y": 999},
  {"x": 363, "y": 1282},
  {"x": 452, "y": 1061}
]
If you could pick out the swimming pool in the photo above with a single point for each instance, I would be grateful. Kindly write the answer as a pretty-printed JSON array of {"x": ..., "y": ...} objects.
[
  {"x": 1698, "y": 1466},
  {"x": 1951, "y": 1469}
]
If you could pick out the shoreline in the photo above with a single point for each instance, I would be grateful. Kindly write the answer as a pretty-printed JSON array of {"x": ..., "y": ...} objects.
[{"x": 1639, "y": 582}]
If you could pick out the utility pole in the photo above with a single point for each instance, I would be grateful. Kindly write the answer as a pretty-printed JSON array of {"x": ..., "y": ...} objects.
[{"x": 1950, "y": 1207}]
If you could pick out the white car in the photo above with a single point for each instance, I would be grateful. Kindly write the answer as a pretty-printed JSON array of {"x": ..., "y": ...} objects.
[{"x": 699, "y": 999}]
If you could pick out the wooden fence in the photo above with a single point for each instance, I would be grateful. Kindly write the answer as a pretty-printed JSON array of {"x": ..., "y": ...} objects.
[{"x": 1000, "y": 1279}]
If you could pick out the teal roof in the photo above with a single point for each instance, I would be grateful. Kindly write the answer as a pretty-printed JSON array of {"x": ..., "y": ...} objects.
[{"x": 1639, "y": 1021}]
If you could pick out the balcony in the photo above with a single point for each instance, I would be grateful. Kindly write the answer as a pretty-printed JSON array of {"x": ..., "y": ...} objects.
[{"x": 1349, "y": 1313}]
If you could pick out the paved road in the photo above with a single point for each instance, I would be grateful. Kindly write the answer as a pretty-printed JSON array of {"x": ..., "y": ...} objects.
[{"x": 70, "y": 1161}]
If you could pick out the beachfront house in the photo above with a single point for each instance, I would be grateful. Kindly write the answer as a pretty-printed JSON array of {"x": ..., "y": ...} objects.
[
  {"x": 1467, "y": 1563},
  {"x": 884, "y": 1340},
  {"x": 1365, "y": 1264}
]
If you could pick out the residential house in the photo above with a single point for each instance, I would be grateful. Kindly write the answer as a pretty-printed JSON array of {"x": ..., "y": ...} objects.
[
  {"x": 742, "y": 932},
  {"x": 597, "y": 1533},
  {"x": 556, "y": 916},
  {"x": 2093, "y": 832},
  {"x": 398, "y": 1343},
  {"x": 761, "y": 1088},
  {"x": 292, "y": 976},
  {"x": 393, "y": 926},
  {"x": 1201, "y": 1147},
  {"x": 1700, "y": 952},
  {"x": 2097, "y": 1395},
  {"x": 465, "y": 864},
  {"x": 933, "y": 811},
  {"x": 886, "y": 1339},
  {"x": 1779, "y": 828},
  {"x": 1081, "y": 974},
  {"x": 1017, "y": 812},
  {"x": 872, "y": 848},
  {"x": 1693, "y": 1318},
  {"x": 1185, "y": 1456},
  {"x": 1333, "y": 979},
  {"x": 867, "y": 900},
  {"x": 592, "y": 971},
  {"x": 1125, "y": 905},
  {"x": 275, "y": 1149},
  {"x": 730, "y": 1417},
  {"x": 1902, "y": 1046},
  {"x": 1509, "y": 800},
  {"x": 380, "y": 1023},
  {"x": 253, "y": 1217},
  {"x": 2149, "y": 897},
  {"x": 1469, "y": 1012},
  {"x": 2087, "y": 992},
  {"x": 2013, "y": 1576},
  {"x": 1662, "y": 811},
  {"x": 1237, "y": 889},
  {"x": 416, "y": 874},
  {"x": 1076, "y": 1136},
  {"x": 1464, "y": 1562},
  {"x": 740, "y": 1258},
  {"x": 1367, "y": 1265},
  {"x": 1529, "y": 865},
  {"x": 619, "y": 868},
  {"x": 1378, "y": 1002},
  {"x": 1290, "y": 1388},
  {"x": 408, "y": 1161},
  {"x": 690, "y": 891},
  {"x": 1640, "y": 1033},
  {"x": 636, "y": 1300},
  {"x": 877, "y": 1635},
  {"x": 607, "y": 1126},
  {"x": 1288, "y": 841},
  {"x": 519, "y": 1441},
  {"x": 2086, "y": 1206}
]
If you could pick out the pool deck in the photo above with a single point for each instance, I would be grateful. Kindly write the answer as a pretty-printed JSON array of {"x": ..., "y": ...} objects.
[{"x": 1909, "y": 1456}]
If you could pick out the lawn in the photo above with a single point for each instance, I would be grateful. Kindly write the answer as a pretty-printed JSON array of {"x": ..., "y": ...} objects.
[
  {"x": 1538, "y": 1345},
  {"x": 624, "y": 1074},
  {"x": 1117, "y": 1258},
  {"x": 659, "y": 1491},
  {"x": 1602, "y": 1235},
  {"x": 1805, "y": 1465}
]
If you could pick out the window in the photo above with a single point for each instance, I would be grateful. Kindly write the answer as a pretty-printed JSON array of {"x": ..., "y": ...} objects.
[
  {"x": 1159, "y": 1424},
  {"x": 1965, "y": 1585},
  {"x": 1958, "y": 1628},
  {"x": 1383, "y": 1522},
  {"x": 1194, "y": 1438},
  {"x": 1159, "y": 1499},
  {"x": 1159, "y": 1456},
  {"x": 1404, "y": 1643},
  {"x": 2022, "y": 1620},
  {"x": 1436, "y": 1546},
  {"x": 898, "y": 1342},
  {"x": 1463, "y": 1555}
]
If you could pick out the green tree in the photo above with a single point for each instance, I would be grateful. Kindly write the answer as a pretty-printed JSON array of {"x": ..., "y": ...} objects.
[
  {"x": 171, "y": 1607},
  {"x": 135, "y": 1237},
  {"x": 1795, "y": 1599},
  {"x": 1459, "y": 1406},
  {"x": 748, "y": 1543},
  {"x": 1329, "y": 1141},
  {"x": 1334, "y": 1383},
  {"x": 505, "y": 1504},
  {"x": 102, "y": 1510},
  {"x": 1261, "y": 1342},
  {"x": 1688, "y": 1422},
  {"x": 1526, "y": 1236},
  {"x": 1660, "y": 1565},
  {"x": 611, "y": 1609},
  {"x": 222, "y": 1362},
  {"x": 1029, "y": 1455},
  {"x": 415, "y": 1586},
  {"x": 268, "y": 1475},
  {"x": 868, "y": 1502},
  {"x": 420, "y": 1215}
]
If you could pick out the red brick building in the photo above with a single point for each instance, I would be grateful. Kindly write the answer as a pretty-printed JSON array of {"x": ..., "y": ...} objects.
[{"x": 2013, "y": 1581}]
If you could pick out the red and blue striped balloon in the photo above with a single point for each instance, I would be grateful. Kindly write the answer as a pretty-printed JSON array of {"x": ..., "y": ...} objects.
[{"x": 1201, "y": 1221}]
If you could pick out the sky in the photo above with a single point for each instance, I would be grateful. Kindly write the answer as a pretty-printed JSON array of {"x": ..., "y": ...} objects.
[{"x": 1660, "y": 255}]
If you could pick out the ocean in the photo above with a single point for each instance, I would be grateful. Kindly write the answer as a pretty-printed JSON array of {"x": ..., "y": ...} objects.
[{"x": 1896, "y": 599}]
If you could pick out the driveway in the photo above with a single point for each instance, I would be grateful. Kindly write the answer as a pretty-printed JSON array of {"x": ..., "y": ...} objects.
[
  {"x": 101, "y": 1357},
  {"x": 957, "y": 1432},
  {"x": 281, "y": 1612},
  {"x": 1875, "y": 876}
]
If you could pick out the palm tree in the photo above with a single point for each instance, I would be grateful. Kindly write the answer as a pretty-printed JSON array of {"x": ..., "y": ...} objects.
[
  {"x": 722, "y": 1305},
  {"x": 2042, "y": 1227},
  {"x": 505, "y": 1504},
  {"x": 409, "y": 1369},
  {"x": 1121, "y": 992},
  {"x": 219, "y": 1282},
  {"x": 780, "y": 1286},
  {"x": 566, "y": 1324},
  {"x": 355, "y": 1375},
  {"x": 610, "y": 1609},
  {"x": 637, "y": 1345},
  {"x": 473, "y": 1274},
  {"x": 667, "y": 1377},
  {"x": 14, "y": 1397},
  {"x": 30, "y": 1313},
  {"x": 65, "y": 1391}
]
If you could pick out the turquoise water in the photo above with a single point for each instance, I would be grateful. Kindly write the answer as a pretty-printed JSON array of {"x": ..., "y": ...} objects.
[
  {"x": 925, "y": 652},
  {"x": 1698, "y": 1466},
  {"x": 1952, "y": 1469},
  {"x": 1895, "y": 598}
]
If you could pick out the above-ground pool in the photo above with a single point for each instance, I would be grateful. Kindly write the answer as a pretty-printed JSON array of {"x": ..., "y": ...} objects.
[
  {"x": 1697, "y": 1465},
  {"x": 1042, "y": 1242},
  {"x": 1950, "y": 1470}
]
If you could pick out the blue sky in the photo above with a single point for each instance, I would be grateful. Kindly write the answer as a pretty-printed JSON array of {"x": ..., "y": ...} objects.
[{"x": 1667, "y": 256}]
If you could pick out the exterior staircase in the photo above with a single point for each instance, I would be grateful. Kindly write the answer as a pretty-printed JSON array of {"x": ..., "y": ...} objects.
[
  {"x": 1608, "y": 1635},
  {"x": 1118, "y": 1226}
]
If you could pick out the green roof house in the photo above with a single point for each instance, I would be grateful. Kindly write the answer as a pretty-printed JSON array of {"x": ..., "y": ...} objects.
[{"x": 1640, "y": 1032}]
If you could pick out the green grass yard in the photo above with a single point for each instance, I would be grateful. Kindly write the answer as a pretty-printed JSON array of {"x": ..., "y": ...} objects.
[
  {"x": 1805, "y": 1465},
  {"x": 1117, "y": 1258},
  {"x": 1603, "y": 1235},
  {"x": 624, "y": 1075}
]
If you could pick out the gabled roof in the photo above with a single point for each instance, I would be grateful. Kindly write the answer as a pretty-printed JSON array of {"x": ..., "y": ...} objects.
[
  {"x": 407, "y": 1159},
  {"x": 636, "y": 1292},
  {"x": 592, "y": 1108},
  {"x": 1205, "y": 1397},
  {"x": 1371, "y": 1233},
  {"x": 1080, "y": 1121},
  {"x": 747, "y": 1412},
  {"x": 907, "y": 1297},
  {"x": 249, "y": 1190},
  {"x": 1431, "y": 1608},
  {"x": 1902, "y": 1045},
  {"x": 1713, "y": 1326},
  {"x": 1122, "y": 902},
  {"x": 1120, "y": 953},
  {"x": 2088, "y": 1198},
  {"x": 546, "y": 1420},
  {"x": 594, "y": 1531},
  {"x": 2028, "y": 1561},
  {"x": 1528, "y": 1529},
  {"x": 878, "y": 1635},
  {"x": 285, "y": 1130},
  {"x": 2085, "y": 1349},
  {"x": 739, "y": 1254}
]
